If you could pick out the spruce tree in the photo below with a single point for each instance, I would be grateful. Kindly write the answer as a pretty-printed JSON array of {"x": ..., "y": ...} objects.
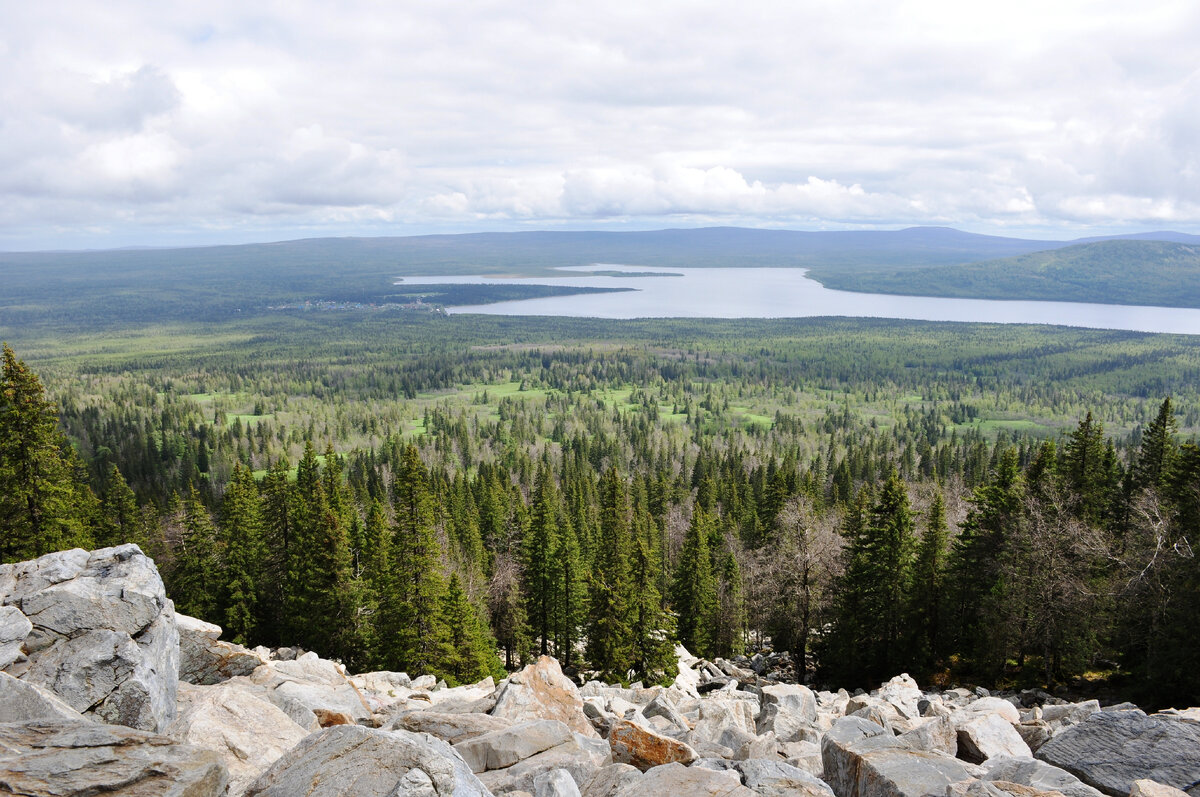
[
  {"x": 471, "y": 649},
  {"x": 276, "y": 588},
  {"x": 39, "y": 497},
  {"x": 196, "y": 576},
  {"x": 608, "y": 644},
  {"x": 1158, "y": 449},
  {"x": 540, "y": 544},
  {"x": 570, "y": 594},
  {"x": 694, "y": 589},
  {"x": 929, "y": 576},
  {"x": 242, "y": 532},
  {"x": 414, "y": 632},
  {"x": 120, "y": 517}
]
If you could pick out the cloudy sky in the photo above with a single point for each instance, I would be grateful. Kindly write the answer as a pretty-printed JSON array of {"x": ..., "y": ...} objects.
[{"x": 135, "y": 123}]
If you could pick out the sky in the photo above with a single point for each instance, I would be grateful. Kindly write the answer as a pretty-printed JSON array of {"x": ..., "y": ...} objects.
[{"x": 156, "y": 124}]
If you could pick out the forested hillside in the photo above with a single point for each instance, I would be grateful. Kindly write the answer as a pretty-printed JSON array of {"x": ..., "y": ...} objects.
[
  {"x": 1107, "y": 272},
  {"x": 996, "y": 505}
]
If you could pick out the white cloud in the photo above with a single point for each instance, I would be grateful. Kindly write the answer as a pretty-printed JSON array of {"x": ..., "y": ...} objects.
[{"x": 153, "y": 122}]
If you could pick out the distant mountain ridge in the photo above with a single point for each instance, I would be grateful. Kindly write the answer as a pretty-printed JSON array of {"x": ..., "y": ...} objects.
[
  {"x": 210, "y": 282},
  {"x": 1106, "y": 271}
]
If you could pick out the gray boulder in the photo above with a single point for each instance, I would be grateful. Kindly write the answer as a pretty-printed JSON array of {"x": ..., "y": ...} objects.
[
  {"x": 205, "y": 660},
  {"x": 863, "y": 760},
  {"x": 103, "y": 633},
  {"x": 53, "y": 758},
  {"x": 237, "y": 722},
  {"x": 581, "y": 756},
  {"x": 773, "y": 778},
  {"x": 21, "y": 701},
  {"x": 451, "y": 728},
  {"x": 985, "y": 735},
  {"x": 1111, "y": 749},
  {"x": 671, "y": 779},
  {"x": 611, "y": 781},
  {"x": 555, "y": 783},
  {"x": 365, "y": 762},
  {"x": 503, "y": 748},
  {"x": 14, "y": 628},
  {"x": 1036, "y": 774}
]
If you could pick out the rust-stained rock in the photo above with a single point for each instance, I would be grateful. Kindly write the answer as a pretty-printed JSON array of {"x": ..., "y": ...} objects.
[
  {"x": 205, "y": 660},
  {"x": 643, "y": 748},
  {"x": 327, "y": 718},
  {"x": 542, "y": 692}
]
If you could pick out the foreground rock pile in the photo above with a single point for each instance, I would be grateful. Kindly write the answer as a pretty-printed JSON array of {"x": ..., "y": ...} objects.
[{"x": 104, "y": 689}]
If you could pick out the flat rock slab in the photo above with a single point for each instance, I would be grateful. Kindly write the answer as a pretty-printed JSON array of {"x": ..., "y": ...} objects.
[
  {"x": 67, "y": 759},
  {"x": 1038, "y": 775},
  {"x": 450, "y": 728},
  {"x": 1111, "y": 749},
  {"x": 503, "y": 748},
  {"x": 365, "y": 762},
  {"x": 676, "y": 779},
  {"x": 205, "y": 660},
  {"x": 21, "y": 701},
  {"x": 14, "y": 628}
]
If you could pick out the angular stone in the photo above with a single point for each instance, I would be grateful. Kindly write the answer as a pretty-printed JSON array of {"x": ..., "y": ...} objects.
[
  {"x": 104, "y": 637},
  {"x": 1070, "y": 713},
  {"x": 773, "y": 778},
  {"x": 718, "y": 714},
  {"x": 314, "y": 683},
  {"x": 582, "y": 756},
  {"x": 14, "y": 628},
  {"x": 451, "y": 728},
  {"x": 206, "y": 660},
  {"x": 1037, "y": 774},
  {"x": 503, "y": 748},
  {"x": 994, "y": 705},
  {"x": 672, "y": 779},
  {"x": 793, "y": 698},
  {"x": 643, "y": 748},
  {"x": 21, "y": 701},
  {"x": 51, "y": 758},
  {"x": 611, "y": 781},
  {"x": 935, "y": 733},
  {"x": 555, "y": 783},
  {"x": 861, "y": 759},
  {"x": 1150, "y": 788},
  {"x": 541, "y": 691},
  {"x": 903, "y": 693},
  {"x": 365, "y": 762},
  {"x": 247, "y": 731},
  {"x": 984, "y": 736},
  {"x": 1111, "y": 749}
]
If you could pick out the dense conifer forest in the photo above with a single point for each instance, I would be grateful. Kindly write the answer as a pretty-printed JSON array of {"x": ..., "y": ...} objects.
[{"x": 997, "y": 505}]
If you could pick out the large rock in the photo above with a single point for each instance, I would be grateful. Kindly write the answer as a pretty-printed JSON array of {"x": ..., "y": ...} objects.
[
  {"x": 57, "y": 758},
  {"x": 1111, "y": 749},
  {"x": 103, "y": 633},
  {"x": 771, "y": 778},
  {"x": 541, "y": 691},
  {"x": 1037, "y": 774},
  {"x": 671, "y": 779},
  {"x": 451, "y": 728},
  {"x": 365, "y": 762},
  {"x": 555, "y": 783},
  {"x": 985, "y": 735},
  {"x": 581, "y": 756},
  {"x": 611, "y": 781},
  {"x": 312, "y": 682},
  {"x": 863, "y": 760},
  {"x": 14, "y": 628},
  {"x": 21, "y": 701},
  {"x": 643, "y": 748},
  {"x": 788, "y": 710},
  {"x": 204, "y": 659},
  {"x": 903, "y": 693},
  {"x": 935, "y": 733},
  {"x": 247, "y": 731},
  {"x": 503, "y": 748}
]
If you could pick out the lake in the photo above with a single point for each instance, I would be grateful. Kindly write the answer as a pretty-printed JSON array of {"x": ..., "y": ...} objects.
[{"x": 788, "y": 293}]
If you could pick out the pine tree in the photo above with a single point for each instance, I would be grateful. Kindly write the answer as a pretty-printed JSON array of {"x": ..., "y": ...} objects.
[
  {"x": 414, "y": 632},
  {"x": 242, "y": 532},
  {"x": 540, "y": 544},
  {"x": 39, "y": 496},
  {"x": 195, "y": 578},
  {"x": 275, "y": 584},
  {"x": 120, "y": 517},
  {"x": 694, "y": 589},
  {"x": 471, "y": 649},
  {"x": 1158, "y": 449},
  {"x": 570, "y": 594},
  {"x": 929, "y": 575},
  {"x": 608, "y": 643}
]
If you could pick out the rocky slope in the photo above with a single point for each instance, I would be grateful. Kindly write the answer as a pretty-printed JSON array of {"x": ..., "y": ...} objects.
[{"x": 104, "y": 689}]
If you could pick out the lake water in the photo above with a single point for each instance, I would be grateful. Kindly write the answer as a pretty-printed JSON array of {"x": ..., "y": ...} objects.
[{"x": 788, "y": 293}]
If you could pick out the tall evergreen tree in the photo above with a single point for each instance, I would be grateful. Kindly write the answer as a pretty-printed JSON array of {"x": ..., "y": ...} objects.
[
  {"x": 39, "y": 509},
  {"x": 121, "y": 519},
  {"x": 929, "y": 576},
  {"x": 608, "y": 644},
  {"x": 471, "y": 652},
  {"x": 1158, "y": 449},
  {"x": 414, "y": 631},
  {"x": 540, "y": 545},
  {"x": 570, "y": 594},
  {"x": 694, "y": 589},
  {"x": 242, "y": 532},
  {"x": 196, "y": 576}
]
